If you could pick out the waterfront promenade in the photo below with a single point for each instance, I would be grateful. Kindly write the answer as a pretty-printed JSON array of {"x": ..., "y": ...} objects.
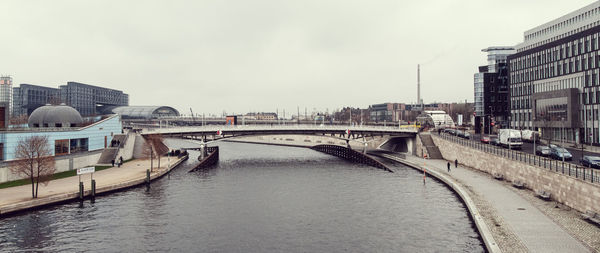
[
  {"x": 516, "y": 224},
  {"x": 132, "y": 173}
]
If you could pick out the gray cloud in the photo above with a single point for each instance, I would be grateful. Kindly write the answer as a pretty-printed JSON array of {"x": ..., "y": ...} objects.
[{"x": 261, "y": 55}]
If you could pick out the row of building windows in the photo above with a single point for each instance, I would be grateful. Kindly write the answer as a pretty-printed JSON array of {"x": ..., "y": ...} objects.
[
  {"x": 570, "y": 26},
  {"x": 561, "y": 67},
  {"x": 569, "y": 49},
  {"x": 588, "y": 14}
]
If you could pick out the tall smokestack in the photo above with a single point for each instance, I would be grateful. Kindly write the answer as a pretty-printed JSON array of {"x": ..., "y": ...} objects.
[{"x": 418, "y": 84}]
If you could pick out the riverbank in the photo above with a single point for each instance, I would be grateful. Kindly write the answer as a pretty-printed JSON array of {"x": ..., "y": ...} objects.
[
  {"x": 515, "y": 224},
  {"x": 133, "y": 173},
  {"x": 476, "y": 216}
]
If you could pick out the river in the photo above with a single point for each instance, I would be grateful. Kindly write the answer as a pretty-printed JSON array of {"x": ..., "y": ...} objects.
[{"x": 258, "y": 198}]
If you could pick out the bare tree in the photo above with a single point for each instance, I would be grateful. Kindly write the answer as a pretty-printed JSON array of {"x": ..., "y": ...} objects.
[
  {"x": 18, "y": 120},
  {"x": 34, "y": 160}
]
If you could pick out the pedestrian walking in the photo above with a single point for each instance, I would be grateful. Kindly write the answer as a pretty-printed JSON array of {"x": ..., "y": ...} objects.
[
  {"x": 456, "y": 163},
  {"x": 112, "y": 162},
  {"x": 448, "y": 166}
]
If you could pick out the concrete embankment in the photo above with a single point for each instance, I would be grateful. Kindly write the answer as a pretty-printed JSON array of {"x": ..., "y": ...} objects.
[
  {"x": 570, "y": 191},
  {"x": 482, "y": 227},
  {"x": 131, "y": 174}
]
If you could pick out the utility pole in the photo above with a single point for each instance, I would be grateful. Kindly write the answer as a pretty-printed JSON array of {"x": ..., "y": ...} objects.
[{"x": 298, "y": 115}]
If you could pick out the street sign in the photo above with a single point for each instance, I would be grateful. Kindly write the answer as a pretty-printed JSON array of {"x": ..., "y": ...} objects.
[{"x": 86, "y": 170}]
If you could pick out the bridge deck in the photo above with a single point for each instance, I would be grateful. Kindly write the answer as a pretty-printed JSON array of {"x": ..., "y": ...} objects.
[{"x": 231, "y": 131}]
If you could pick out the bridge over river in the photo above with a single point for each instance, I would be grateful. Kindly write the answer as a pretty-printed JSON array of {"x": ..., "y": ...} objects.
[
  {"x": 401, "y": 137},
  {"x": 343, "y": 132}
]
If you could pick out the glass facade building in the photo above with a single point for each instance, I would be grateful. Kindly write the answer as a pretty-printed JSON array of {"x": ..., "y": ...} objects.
[
  {"x": 28, "y": 97},
  {"x": 491, "y": 90},
  {"x": 6, "y": 92},
  {"x": 86, "y": 99},
  {"x": 559, "y": 60}
]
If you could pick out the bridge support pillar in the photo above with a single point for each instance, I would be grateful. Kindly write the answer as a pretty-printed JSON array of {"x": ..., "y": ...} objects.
[{"x": 202, "y": 151}]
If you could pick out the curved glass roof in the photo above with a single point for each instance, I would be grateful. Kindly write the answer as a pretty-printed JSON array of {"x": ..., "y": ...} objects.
[{"x": 146, "y": 112}]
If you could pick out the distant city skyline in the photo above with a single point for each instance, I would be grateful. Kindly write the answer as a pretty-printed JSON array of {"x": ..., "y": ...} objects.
[{"x": 264, "y": 56}]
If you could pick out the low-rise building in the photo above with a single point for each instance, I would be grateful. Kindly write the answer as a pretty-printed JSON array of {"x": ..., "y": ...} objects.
[{"x": 66, "y": 130}]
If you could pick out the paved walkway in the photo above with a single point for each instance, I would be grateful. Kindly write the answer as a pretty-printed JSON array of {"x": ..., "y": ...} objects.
[
  {"x": 108, "y": 179},
  {"x": 536, "y": 231}
]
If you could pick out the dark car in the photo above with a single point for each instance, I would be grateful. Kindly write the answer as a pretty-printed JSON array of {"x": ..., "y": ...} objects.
[
  {"x": 485, "y": 139},
  {"x": 591, "y": 161},
  {"x": 495, "y": 141},
  {"x": 560, "y": 153},
  {"x": 542, "y": 150}
]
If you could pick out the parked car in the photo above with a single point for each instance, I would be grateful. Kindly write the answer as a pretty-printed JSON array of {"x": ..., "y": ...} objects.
[
  {"x": 591, "y": 161},
  {"x": 485, "y": 139},
  {"x": 459, "y": 133},
  {"x": 466, "y": 135},
  {"x": 452, "y": 131},
  {"x": 542, "y": 150},
  {"x": 558, "y": 153},
  {"x": 495, "y": 141}
]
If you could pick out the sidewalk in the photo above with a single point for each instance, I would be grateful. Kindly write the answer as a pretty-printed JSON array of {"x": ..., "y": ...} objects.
[
  {"x": 536, "y": 231},
  {"x": 129, "y": 174}
]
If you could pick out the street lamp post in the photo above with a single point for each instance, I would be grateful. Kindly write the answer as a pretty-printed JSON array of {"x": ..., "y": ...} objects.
[
  {"x": 562, "y": 142},
  {"x": 534, "y": 133}
]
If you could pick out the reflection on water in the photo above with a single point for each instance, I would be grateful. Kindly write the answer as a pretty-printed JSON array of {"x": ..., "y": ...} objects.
[{"x": 259, "y": 199}]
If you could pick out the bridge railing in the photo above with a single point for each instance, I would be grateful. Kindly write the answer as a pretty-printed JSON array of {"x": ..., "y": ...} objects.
[
  {"x": 402, "y": 128},
  {"x": 557, "y": 166}
]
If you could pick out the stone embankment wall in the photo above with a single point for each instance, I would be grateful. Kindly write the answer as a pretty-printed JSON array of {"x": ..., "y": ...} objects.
[
  {"x": 64, "y": 163},
  {"x": 575, "y": 193}
]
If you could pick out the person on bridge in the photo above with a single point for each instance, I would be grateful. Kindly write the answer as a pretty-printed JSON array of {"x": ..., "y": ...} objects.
[
  {"x": 448, "y": 166},
  {"x": 455, "y": 163}
]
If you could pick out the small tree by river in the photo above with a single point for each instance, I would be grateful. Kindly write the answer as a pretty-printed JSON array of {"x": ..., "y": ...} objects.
[{"x": 34, "y": 160}]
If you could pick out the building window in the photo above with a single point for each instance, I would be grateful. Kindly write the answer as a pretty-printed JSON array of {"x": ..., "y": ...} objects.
[
  {"x": 61, "y": 147},
  {"x": 79, "y": 145}
]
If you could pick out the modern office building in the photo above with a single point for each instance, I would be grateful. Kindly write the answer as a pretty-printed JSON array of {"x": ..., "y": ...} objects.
[
  {"x": 28, "y": 97},
  {"x": 555, "y": 80},
  {"x": 6, "y": 92},
  {"x": 390, "y": 112},
  {"x": 491, "y": 91},
  {"x": 87, "y": 98}
]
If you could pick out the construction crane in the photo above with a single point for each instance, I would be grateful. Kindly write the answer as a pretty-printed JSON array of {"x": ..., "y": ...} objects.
[{"x": 193, "y": 119}]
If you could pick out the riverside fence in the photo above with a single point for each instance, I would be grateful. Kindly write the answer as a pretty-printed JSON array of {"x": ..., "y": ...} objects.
[{"x": 557, "y": 166}]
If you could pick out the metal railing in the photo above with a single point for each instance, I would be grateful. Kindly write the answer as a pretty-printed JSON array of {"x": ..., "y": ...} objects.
[
  {"x": 565, "y": 168},
  {"x": 403, "y": 128}
]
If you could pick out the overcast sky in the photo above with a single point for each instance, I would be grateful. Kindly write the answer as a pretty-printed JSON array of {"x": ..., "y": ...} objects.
[{"x": 262, "y": 55}]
